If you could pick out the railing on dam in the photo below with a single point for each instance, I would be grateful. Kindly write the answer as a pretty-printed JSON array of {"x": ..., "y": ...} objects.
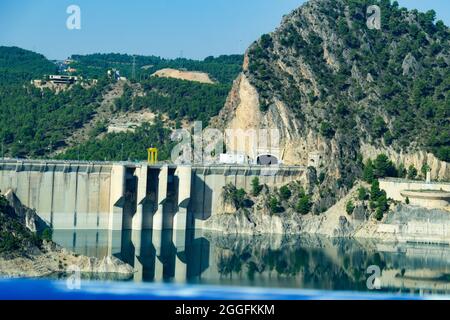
[{"x": 134, "y": 164}]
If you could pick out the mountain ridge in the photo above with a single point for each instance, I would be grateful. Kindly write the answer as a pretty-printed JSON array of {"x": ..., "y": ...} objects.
[{"x": 38, "y": 122}]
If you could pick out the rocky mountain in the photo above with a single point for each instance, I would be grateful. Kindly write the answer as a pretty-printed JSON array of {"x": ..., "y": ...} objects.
[{"x": 341, "y": 93}]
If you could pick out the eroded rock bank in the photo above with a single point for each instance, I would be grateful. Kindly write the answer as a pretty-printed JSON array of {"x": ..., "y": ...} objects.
[
  {"x": 277, "y": 211},
  {"x": 401, "y": 223},
  {"x": 24, "y": 253},
  {"x": 52, "y": 259}
]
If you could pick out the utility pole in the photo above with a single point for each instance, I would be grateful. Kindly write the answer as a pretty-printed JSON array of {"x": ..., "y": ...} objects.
[{"x": 133, "y": 71}]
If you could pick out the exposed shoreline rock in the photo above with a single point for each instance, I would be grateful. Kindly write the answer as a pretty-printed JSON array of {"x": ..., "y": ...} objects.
[
  {"x": 401, "y": 224},
  {"x": 56, "y": 260},
  {"x": 23, "y": 254}
]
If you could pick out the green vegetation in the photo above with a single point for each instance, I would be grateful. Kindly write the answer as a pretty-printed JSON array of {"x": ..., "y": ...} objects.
[
  {"x": 350, "y": 207},
  {"x": 401, "y": 171},
  {"x": 34, "y": 122},
  {"x": 425, "y": 169},
  {"x": 383, "y": 167},
  {"x": 99, "y": 128},
  {"x": 275, "y": 206},
  {"x": 124, "y": 145},
  {"x": 327, "y": 130},
  {"x": 223, "y": 69},
  {"x": 304, "y": 205},
  {"x": 362, "y": 194},
  {"x": 15, "y": 238},
  {"x": 412, "y": 172},
  {"x": 237, "y": 197},
  {"x": 380, "y": 168},
  {"x": 378, "y": 200},
  {"x": 368, "y": 172},
  {"x": 288, "y": 198},
  {"x": 389, "y": 87},
  {"x": 19, "y": 65},
  {"x": 47, "y": 234},
  {"x": 179, "y": 99},
  {"x": 256, "y": 187},
  {"x": 285, "y": 193}
]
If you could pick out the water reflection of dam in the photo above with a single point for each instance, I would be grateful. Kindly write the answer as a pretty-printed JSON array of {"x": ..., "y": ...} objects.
[
  {"x": 422, "y": 267},
  {"x": 155, "y": 255},
  {"x": 268, "y": 261}
]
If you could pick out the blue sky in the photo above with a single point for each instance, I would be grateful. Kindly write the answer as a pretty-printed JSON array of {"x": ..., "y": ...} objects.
[{"x": 167, "y": 28}]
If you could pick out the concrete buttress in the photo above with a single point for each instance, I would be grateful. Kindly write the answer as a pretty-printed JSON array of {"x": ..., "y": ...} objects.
[
  {"x": 184, "y": 174},
  {"x": 138, "y": 219},
  {"x": 158, "y": 218},
  {"x": 116, "y": 197}
]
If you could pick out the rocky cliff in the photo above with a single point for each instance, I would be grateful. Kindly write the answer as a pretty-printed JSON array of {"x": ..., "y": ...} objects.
[{"x": 339, "y": 92}]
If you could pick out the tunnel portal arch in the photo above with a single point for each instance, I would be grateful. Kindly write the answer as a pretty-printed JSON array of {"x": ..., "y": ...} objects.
[{"x": 267, "y": 160}]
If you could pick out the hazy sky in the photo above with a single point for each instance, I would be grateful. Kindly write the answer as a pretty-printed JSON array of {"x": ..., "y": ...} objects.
[{"x": 167, "y": 28}]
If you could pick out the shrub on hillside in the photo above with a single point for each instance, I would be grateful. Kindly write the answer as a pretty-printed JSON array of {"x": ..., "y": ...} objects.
[{"x": 285, "y": 192}]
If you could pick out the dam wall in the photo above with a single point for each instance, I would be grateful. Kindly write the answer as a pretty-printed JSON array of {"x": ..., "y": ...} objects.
[
  {"x": 65, "y": 195},
  {"x": 129, "y": 196}
]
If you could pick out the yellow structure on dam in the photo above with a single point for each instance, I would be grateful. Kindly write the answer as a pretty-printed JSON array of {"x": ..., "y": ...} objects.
[{"x": 152, "y": 156}]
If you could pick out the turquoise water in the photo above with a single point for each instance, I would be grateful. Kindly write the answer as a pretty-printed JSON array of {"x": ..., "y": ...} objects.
[{"x": 270, "y": 261}]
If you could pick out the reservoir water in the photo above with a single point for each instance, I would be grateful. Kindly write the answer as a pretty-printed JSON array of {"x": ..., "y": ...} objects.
[{"x": 275, "y": 261}]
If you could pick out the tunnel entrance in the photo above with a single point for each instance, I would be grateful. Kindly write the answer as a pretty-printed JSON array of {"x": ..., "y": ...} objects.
[{"x": 267, "y": 160}]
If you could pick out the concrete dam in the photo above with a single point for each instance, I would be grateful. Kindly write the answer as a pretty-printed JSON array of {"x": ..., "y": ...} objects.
[{"x": 130, "y": 196}]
